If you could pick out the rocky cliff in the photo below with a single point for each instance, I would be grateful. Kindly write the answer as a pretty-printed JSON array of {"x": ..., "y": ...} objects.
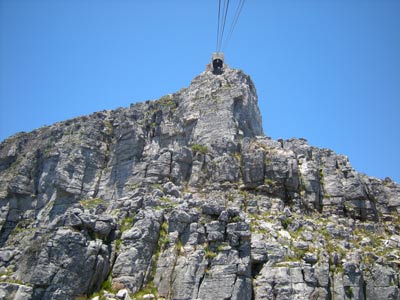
[{"x": 185, "y": 198}]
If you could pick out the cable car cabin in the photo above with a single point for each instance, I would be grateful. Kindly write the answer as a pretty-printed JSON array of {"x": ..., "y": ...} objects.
[{"x": 217, "y": 63}]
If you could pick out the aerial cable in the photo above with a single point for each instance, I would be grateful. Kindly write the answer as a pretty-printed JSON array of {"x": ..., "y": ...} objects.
[
  {"x": 234, "y": 22},
  {"x": 219, "y": 17},
  {"x": 226, "y": 8},
  {"x": 220, "y": 20},
  {"x": 223, "y": 25}
]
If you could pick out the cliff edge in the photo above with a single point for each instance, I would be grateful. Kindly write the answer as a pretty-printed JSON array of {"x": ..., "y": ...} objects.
[{"x": 185, "y": 198}]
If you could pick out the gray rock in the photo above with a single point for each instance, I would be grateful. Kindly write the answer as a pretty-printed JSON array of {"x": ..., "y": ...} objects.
[
  {"x": 233, "y": 108},
  {"x": 15, "y": 291},
  {"x": 219, "y": 281},
  {"x": 286, "y": 282},
  {"x": 225, "y": 168},
  {"x": 212, "y": 208},
  {"x": 181, "y": 165},
  {"x": 132, "y": 263},
  {"x": 132, "y": 234},
  {"x": 179, "y": 221},
  {"x": 171, "y": 189},
  {"x": 259, "y": 253},
  {"x": 381, "y": 282},
  {"x": 65, "y": 261},
  {"x": 186, "y": 194},
  {"x": 224, "y": 216},
  {"x": 253, "y": 167},
  {"x": 102, "y": 228},
  {"x": 6, "y": 255},
  {"x": 121, "y": 294},
  {"x": 184, "y": 272}
]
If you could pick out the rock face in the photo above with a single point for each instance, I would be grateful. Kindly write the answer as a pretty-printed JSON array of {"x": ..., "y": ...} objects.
[{"x": 185, "y": 198}]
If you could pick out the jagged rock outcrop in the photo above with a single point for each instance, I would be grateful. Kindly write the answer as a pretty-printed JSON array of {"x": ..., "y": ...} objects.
[{"x": 185, "y": 198}]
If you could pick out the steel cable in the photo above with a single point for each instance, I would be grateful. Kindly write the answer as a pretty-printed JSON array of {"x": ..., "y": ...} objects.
[
  {"x": 219, "y": 17},
  {"x": 234, "y": 22},
  {"x": 225, "y": 14}
]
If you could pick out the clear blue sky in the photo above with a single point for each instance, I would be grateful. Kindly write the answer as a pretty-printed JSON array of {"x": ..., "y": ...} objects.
[{"x": 325, "y": 70}]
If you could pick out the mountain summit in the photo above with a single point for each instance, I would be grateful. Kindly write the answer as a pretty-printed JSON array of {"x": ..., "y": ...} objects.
[{"x": 185, "y": 198}]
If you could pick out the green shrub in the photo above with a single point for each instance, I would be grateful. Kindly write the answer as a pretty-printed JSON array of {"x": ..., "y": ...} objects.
[
  {"x": 167, "y": 102},
  {"x": 348, "y": 290},
  {"x": 197, "y": 148},
  {"x": 286, "y": 222},
  {"x": 163, "y": 241},
  {"x": 268, "y": 181},
  {"x": 220, "y": 248},
  {"x": 91, "y": 203},
  {"x": 235, "y": 219},
  {"x": 126, "y": 223},
  {"x": 147, "y": 289},
  {"x": 210, "y": 254}
]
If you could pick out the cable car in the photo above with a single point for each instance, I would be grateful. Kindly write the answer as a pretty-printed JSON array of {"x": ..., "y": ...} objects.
[{"x": 217, "y": 62}]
